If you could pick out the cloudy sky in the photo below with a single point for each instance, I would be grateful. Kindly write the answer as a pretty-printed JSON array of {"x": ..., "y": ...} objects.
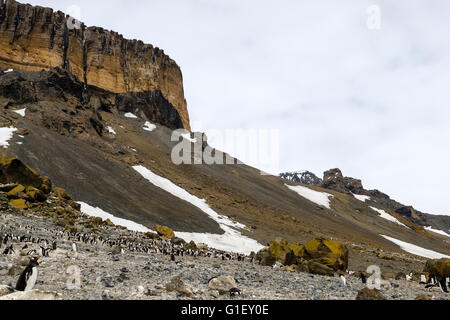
[{"x": 373, "y": 102}]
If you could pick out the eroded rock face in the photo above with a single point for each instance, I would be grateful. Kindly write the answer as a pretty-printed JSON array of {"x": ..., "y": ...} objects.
[
  {"x": 34, "y": 38},
  {"x": 59, "y": 101},
  {"x": 334, "y": 180},
  {"x": 318, "y": 256}
]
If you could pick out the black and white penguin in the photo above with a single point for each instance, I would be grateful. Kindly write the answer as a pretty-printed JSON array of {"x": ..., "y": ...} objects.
[
  {"x": 363, "y": 278},
  {"x": 28, "y": 278},
  {"x": 235, "y": 292}
]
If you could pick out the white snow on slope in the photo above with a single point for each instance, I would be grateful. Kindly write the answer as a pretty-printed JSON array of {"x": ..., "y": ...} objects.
[
  {"x": 148, "y": 126},
  {"x": 8, "y": 71},
  {"x": 6, "y": 133},
  {"x": 320, "y": 198},
  {"x": 361, "y": 197},
  {"x": 111, "y": 130},
  {"x": 130, "y": 115},
  {"x": 437, "y": 231},
  {"x": 418, "y": 251},
  {"x": 387, "y": 216},
  {"x": 231, "y": 240},
  {"x": 20, "y": 112},
  {"x": 99, "y": 213}
]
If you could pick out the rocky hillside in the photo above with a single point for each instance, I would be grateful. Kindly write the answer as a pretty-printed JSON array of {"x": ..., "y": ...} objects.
[
  {"x": 111, "y": 149},
  {"x": 34, "y": 38}
]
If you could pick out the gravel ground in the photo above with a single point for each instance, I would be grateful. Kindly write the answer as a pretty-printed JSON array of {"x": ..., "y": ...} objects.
[{"x": 133, "y": 275}]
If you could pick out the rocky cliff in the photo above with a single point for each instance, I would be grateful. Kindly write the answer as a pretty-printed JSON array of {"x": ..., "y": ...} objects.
[{"x": 34, "y": 38}]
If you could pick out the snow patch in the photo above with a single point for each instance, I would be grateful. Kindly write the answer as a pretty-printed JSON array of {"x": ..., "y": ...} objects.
[
  {"x": 6, "y": 133},
  {"x": 20, "y": 112},
  {"x": 148, "y": 126},
  {"x": 99, "y": 213},
  {"x": 8, "y": 71},
  {"x": 130, "y": 115},
  {"x": 387, "y": 216},
  {"x": 111, "y": 130},
  {"x": 437, "y": 231},
  {"x": 231, "y": 240},
  {"x": 361, "y": 197},
  {"x": 418, "y": 251},
  {"x": 320, "y": 198}
]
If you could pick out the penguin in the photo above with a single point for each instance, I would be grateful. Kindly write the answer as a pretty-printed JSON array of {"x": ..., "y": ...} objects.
[
  {"x": 28, "y": 278},
  {"x": 343, "y": 280},
  {"x": 74, "y": 247},
  {"x": 423, "y": 279},
  {"x": 363, "y": 278},
  {"x": 54, "y": 245},
  {"x": 9, "y": 250},
  {"x": 235, "y": 292}
]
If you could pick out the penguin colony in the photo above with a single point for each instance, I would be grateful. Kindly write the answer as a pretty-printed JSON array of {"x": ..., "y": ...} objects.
[{"x": 36, "y": 247}]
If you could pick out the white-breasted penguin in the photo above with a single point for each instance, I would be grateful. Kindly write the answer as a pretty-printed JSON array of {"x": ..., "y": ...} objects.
[
  {"x": 28, "y": 278},
  {"x": 343, "y": 280}
]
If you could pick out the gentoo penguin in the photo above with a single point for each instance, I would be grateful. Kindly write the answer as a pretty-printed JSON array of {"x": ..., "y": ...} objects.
[
  {"x": 74, "y": 247},
  {"x": 28, "y": 277},
  {"x": 235, "y": 292},
  {"x": 54, "y": 245},
  {"x": 363, "y": 278}
]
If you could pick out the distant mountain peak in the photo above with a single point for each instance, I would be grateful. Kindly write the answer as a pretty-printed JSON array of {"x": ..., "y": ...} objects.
[{"x": 302, "y": 176}]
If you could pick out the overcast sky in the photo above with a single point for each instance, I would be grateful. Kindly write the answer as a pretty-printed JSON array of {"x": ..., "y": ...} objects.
[{"x": 373, "y": 102}]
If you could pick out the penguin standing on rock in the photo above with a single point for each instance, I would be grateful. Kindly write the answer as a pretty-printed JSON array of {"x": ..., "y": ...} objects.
[{"x": 28, "y": 278}]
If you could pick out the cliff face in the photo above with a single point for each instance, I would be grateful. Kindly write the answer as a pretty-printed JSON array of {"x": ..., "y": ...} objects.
[{"x": 33, "y": 38}]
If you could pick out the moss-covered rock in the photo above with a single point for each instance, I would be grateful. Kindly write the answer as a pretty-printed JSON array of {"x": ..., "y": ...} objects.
[
  {"x": 165, "y": 232},
  {"x": 19, "y": 203},
  {"x": 370, "y": 294},
  {"x": 330, "y": 253},
  {"x": 438, "y": 268},
  {"x": 12, "y": 170},
  {"x": 14, "y": 193}
]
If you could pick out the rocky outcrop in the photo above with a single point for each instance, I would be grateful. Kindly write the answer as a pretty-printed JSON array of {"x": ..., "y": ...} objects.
[
  {"x": 58, "y": 101},
  {"x": 34, "y": 38},
  {"x": 370, "y": 294},
  {"x": 318, "y": 256},
  {"x": 304, "y": 177},
  {"x": 334, "y": 180},
  {"x": 440, "y": 269}
]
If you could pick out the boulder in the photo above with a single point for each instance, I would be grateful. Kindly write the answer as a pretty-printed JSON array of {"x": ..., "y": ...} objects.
[
  {"x": 423, "y": 297},
  {"x": 12, "y": 170},
  {"x": 18, "y": 203},
  {"x": 314, "y": 267},
  {"x": 5, "y": 290},
  {"x": 165, "y": 232},
  {"x": 437, "y": 268},
  {"x": 32, "y": 295},
  {"x": 176, "y": 284},
  {"x": 191, "y": 246},
  {"x": 370, "y": 294},
  {"x": 264, "y": 258},
  {"x": 332, "y": 254},
  {"x": 334, "y": 180},
  {"x": 222, "y": 284},
  {"x": 279, "y": 250}
]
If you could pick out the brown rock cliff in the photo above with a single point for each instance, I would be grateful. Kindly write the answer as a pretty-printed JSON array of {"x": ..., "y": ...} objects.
[{"x": 33, "y": 38}]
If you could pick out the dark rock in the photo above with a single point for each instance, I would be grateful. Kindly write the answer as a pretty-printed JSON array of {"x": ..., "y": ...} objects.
[{"x": 370, "y": 294}]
